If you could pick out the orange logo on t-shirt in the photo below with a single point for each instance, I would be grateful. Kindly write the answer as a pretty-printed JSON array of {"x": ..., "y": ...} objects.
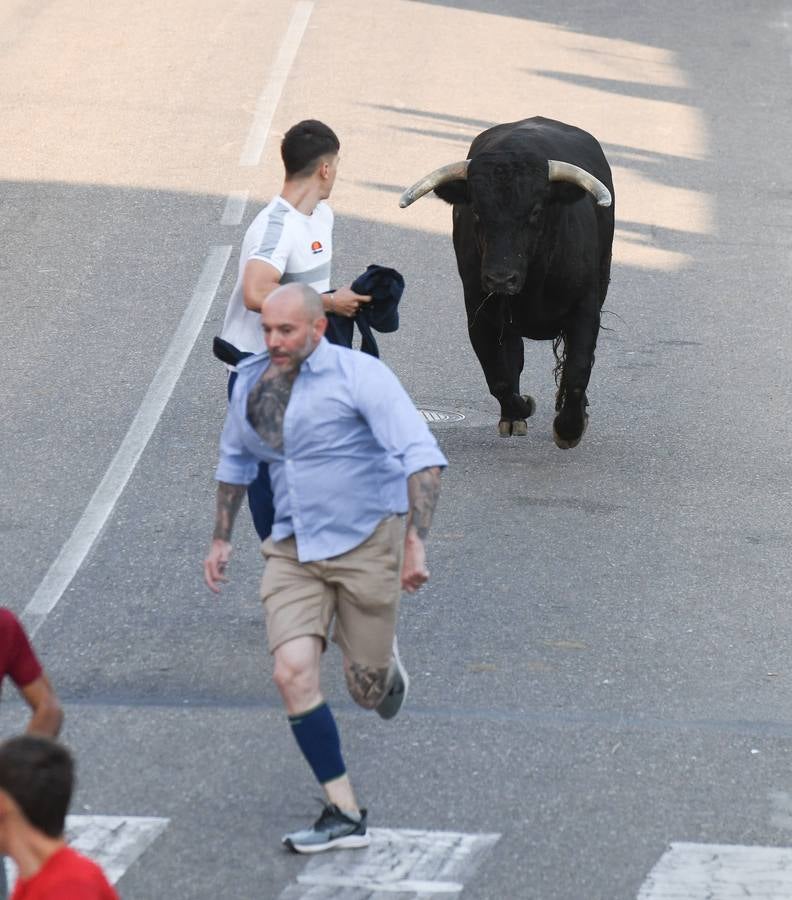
[{"x": 316, "y": 247}]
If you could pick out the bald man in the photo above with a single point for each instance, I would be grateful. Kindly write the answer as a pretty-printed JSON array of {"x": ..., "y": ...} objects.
[{"x": 349, "y": 457}]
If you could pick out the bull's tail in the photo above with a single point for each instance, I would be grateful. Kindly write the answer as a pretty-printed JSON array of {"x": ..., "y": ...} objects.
[{"x": 560, "y": 353}]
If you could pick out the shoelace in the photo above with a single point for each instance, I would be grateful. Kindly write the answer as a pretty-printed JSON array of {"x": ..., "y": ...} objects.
[{"x": 328, "y": 812}]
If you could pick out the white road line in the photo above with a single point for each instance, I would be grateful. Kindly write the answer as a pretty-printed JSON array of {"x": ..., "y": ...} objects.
[
  {"x": 100, "y": 506},
  {"x": 114, "y": 842},
  {"x": 235, "y": 208},
  {"x": 787, "y": 24},
  {"x": 720, "y": 872},
  {"x": 270, "y": 96},
  {"x": 408, "y": 863},
  {"x": 405, "y": 886}
]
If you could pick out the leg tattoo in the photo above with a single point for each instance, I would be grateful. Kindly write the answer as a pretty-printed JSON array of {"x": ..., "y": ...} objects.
[{"x": 366, "y": 686}]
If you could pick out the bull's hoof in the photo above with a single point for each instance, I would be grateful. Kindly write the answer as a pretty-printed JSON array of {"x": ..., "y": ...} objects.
[
  {"x": 530, "y": 403},
  {"x": 509, "y": 427},
  {"x": 569, "y": 443},
  {"x": 562, "y": 444}
]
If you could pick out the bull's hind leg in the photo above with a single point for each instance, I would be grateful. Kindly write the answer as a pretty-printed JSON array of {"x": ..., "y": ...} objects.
[
  {"x": 580, "y": 341},
  {"x": 502, "y": 358}
]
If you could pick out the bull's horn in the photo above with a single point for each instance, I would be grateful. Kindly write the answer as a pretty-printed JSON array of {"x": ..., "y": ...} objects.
[
  {"x": 562, "y": 171},
  {"x": 451, "y": 172}
]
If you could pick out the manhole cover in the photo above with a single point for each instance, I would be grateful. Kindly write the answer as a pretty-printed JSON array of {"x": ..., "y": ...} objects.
[{"x": 440, "y": 415}]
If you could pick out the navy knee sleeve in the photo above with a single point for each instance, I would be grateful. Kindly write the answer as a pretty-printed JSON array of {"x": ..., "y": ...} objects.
[{"x": 317, "y": 736}]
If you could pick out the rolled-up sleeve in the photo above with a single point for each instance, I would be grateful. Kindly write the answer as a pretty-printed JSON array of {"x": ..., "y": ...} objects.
[
  {"x": 237, "y": 464},
  {"x": 20, "y": 660},
  {"x": 395, "y": 422}
]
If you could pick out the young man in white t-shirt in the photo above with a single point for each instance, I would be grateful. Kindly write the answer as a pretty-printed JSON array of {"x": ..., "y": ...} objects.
[{"x": 290, "y": 240}]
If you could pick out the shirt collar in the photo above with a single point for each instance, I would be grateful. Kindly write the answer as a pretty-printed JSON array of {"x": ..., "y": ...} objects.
[
  {"x": 294, "y": 209},
  {"x": 321, "y": 358}
]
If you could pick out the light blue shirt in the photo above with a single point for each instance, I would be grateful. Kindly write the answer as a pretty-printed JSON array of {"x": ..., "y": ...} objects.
[{"x": 351, "y": 438}]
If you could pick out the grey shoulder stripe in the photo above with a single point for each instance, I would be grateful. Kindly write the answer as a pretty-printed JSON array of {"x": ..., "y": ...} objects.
[
  {"x": 273, "y": 232},
  {"x": 308, "y": 277}
]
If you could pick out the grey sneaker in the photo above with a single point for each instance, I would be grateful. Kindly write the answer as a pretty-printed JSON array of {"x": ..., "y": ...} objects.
[
  {"x": 332, "y": 830},
  {"x": 392, "y": 702}
]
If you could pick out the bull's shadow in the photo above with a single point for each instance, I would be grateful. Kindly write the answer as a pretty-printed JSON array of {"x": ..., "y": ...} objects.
[{"x": 638, "y": 89}]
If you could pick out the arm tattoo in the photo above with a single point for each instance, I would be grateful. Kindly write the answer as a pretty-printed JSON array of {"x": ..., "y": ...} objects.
[
  {"x": 267, "y": 402},
  {"x": 229, "y": 498},
  {"x": 423, "y": 489}
]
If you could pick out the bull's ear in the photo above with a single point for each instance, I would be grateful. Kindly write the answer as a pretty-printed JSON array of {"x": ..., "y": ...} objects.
[
  {"x": 565, "y": 192},
  {"x": 454, "y": 191}
]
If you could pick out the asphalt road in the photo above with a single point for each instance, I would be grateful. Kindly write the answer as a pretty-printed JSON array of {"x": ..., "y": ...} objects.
[{"x": 601, "y": 661}]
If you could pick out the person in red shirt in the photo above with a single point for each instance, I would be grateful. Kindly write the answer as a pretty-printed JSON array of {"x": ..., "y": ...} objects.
[
  {"x": 36, "y": 781},
  {"x": 18, "y": 661}
]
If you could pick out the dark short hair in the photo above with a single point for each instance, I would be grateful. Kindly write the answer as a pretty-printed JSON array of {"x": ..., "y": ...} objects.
[
  {"x": 304, "y": 144},
  {"x": 39, "y": 775}
]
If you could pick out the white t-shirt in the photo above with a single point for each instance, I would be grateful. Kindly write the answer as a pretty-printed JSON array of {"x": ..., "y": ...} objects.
[{"x": 300, "y": 247}]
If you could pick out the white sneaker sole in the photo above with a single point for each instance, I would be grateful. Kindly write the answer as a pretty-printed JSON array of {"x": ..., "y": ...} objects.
[
  {"x": 404, "y": 677},
  {"x": 348, "y": 842},
  {"x": 402, "y": 670}
]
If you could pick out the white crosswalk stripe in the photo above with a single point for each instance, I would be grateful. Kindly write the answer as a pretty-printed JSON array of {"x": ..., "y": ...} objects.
[
  {"x": 114, "y": 842},
  {"x": 720, "y": 872},
  {"x": 403, "y": 863}
]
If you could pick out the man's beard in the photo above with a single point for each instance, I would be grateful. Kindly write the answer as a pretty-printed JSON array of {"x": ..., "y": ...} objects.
[{"x": 294, "y": 359}]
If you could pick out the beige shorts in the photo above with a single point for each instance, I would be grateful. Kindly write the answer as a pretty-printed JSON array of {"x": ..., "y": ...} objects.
[{"x": 360, "y": 589}]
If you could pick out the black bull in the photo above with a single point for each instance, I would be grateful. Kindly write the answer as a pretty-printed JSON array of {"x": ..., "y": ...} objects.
[{"x": 533, "y": 230}]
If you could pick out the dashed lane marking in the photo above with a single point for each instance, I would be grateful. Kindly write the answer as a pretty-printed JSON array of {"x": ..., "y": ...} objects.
[
  {"x": 114, "y": 842},
  {"x": 403, "y": 863},
  {"x": 100, "y": 506},
  {"x": 720, "y": 872},
  {"x": 234, "y": 209},
  {"x": 270, "y": 96}
]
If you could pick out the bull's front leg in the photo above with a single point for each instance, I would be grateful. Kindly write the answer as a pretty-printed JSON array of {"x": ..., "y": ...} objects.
[
  {"x": 501, "y": 354},
  {"x": 580, "y": 342}
]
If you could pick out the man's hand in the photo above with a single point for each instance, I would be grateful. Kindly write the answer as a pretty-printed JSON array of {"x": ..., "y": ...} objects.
[
  {"x": 216, "y": 564},
  {"x": 345, "y": 302},
  {"x": 229, "y": 496},
  {"x": 414, "y": 572},
  {"x": 423, "y": 489}
]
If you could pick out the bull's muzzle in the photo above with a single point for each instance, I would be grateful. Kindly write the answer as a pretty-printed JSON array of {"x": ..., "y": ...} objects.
[{"x": 504, "y": 281}]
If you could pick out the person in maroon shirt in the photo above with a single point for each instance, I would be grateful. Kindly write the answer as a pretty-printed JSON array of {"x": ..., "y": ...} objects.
[
  {"x": 36, "y": 781},
  {"x": 18, "y": 661}
]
